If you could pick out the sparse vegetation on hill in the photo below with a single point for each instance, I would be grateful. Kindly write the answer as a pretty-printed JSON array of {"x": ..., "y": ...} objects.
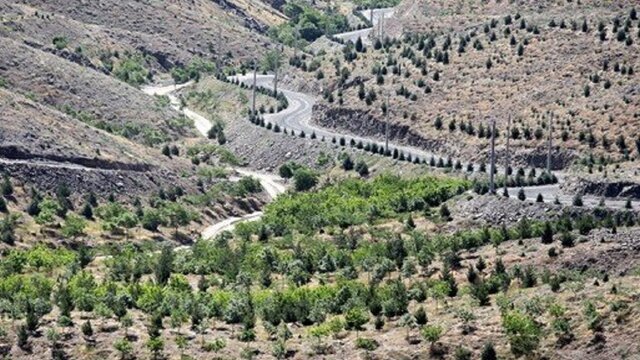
[
  {"x": 443, "y": 69},
  {"x": 276, "y": 288}
]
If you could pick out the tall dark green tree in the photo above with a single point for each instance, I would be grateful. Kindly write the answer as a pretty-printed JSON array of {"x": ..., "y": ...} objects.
[
  {"x": 547, "y": 233},
  {"x": 164, "y": 266},
  {"x": 6, "y": 188}
]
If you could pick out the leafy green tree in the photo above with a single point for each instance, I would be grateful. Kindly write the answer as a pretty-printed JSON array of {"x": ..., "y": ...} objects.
[
  {"x": 409, "y": 322},
  {"x": 3, "y": 205},
  {"x": 177, "y": 215},
  {"x": 47, "y": 210},
  {"x": 432, "y": 334},
  {"x": 287, "y": 170},
  {"x": 152, "y": 219},
  {"x": 74, "y": 226},
  {"x": 355, "y": 318},
  {"x": 439, "y": 291},
  {"x": 304, "y": 179},
  {"x": 156, "y": 346},
  {"x": 127, "y": 220},
  {"x": 272, "y": 60},
  {"x": 523, "y": 331},
  {"x": 124, "y": 347}
]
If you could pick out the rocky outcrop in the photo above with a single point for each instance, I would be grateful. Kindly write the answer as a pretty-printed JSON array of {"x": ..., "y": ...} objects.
[
  {"x": 364, "y": 123},
  {"x": 14, "y": 153},
  {"x": 249, "y": 22},
  {"x": 621, "y": 189},
  {"x": 560, "y": 158},
  {"x": 123, "y": 184},
  {"x": 276, "y": 4}
]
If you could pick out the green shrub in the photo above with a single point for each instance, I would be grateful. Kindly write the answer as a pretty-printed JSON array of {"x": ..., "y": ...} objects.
[
  {"x": 366, "y": 344},
  {"x": 132, "y": 70},
  {"x": 60, "y": 42},
  {"x": 304, "y": 179}
]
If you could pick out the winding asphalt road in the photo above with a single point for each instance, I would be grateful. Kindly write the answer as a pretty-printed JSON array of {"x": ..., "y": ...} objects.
[
  {"x": 364, "y": 33},
  {"x": 298, "y": 115}
]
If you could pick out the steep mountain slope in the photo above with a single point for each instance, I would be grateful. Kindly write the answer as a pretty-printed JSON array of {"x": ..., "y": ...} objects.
[
  {"x": 459, "y": 65},
  {"x": 171, "y": 32},
  {"x": 44, "y": 148},
  {"x": 93, "y": 97}
]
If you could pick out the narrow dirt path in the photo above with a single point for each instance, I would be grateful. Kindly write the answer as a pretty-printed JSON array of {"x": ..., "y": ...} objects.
[{"x": 272, "y": 184}]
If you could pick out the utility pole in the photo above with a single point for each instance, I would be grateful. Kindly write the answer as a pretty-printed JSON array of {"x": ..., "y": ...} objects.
[
  {"x": 275, "y": 81},
  {"x": 255, "y": 77},
  {"x": 371, "y": 17},
  {"x": 508, "y": 164},
  {"x": 550, "y": 144},
  {"x": 492, "y": 187},
  {"x": 386, "y": 127}
]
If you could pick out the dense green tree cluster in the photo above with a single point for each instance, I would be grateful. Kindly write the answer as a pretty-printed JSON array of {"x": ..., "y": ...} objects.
[
  {"x": 308, "y": 23},
  {"x": 356, "y": 201}
]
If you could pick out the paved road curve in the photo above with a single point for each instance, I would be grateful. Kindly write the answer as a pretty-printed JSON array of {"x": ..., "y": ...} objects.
[
  {"x": 364, "y": 33},
  {"x": 298, "y": 117}
]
